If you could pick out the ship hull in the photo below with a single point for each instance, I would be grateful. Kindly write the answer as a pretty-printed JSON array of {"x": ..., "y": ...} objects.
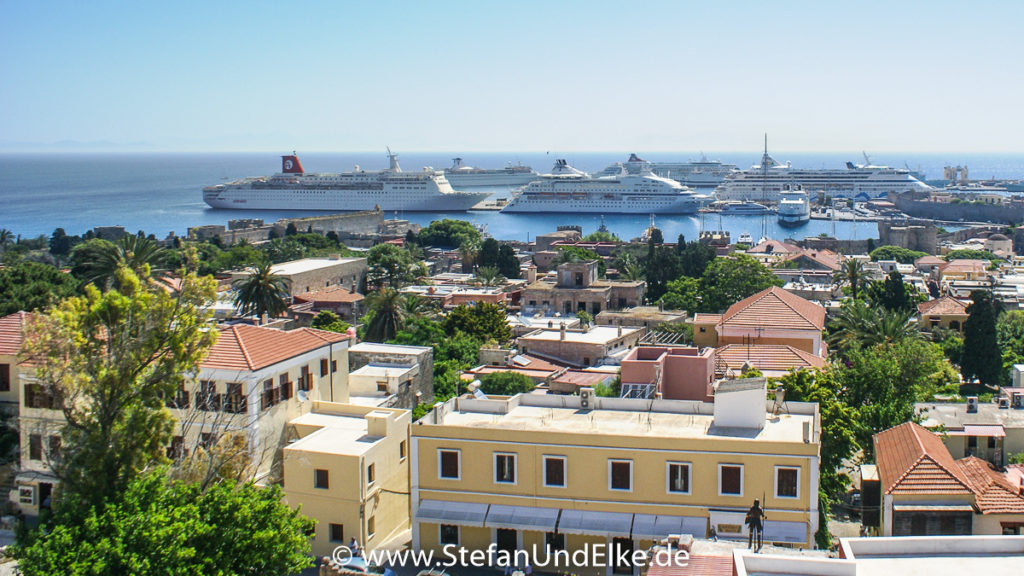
[
  {"x": 341, "y": 200},
  {"x": 476, "y": 180},
  {"x": 555, "y": 205},
  {"x": 793, "y": 222}
]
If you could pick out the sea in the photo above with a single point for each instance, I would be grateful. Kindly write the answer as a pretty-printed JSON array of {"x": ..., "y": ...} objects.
[{"x": 162, "y": 192}]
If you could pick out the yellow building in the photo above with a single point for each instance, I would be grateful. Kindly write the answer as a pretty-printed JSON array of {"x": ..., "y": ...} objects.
[
  {"x": 577, "y": 471},
  {"x": 349, "y": 471}
]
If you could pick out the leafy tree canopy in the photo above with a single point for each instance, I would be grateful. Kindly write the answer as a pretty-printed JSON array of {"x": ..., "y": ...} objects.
[
  {"x": 327, "y": 320},
  {"x": 578, "y": 254},
  {"x": 728, "y": 280},
  {"x": 901, "y": 255},
  {"x": 484, "y": 321},
  {"x": 506, "y": 383},
  {"x": 981, "y": 357},
  {"x": 450, "y": 233},
  {"x": 31, "y": 286},
  {"x": 968, "y": 254},
  {"x": 391, "y": 265},
  {"x": 894, "y": 294},
  {"x": 601, "y": 236}
]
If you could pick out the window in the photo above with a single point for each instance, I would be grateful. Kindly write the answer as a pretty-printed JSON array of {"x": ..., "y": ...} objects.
[
  {"x": 337, "y": 532},
  {"x": 177, "y": 448},
  {"x": 620, "y": 475},
  {"x": 334, "y": 365},
  {"x": 554, "y": 541},
  {"x": 678, "y": 481},
  {"x": 382, "y": 386},
  {"x": 787, "y": 482},
  {"x": 179, "y": 400},
  {"x": 449, "y": 535},
  {"x": 371, "y": 527},
  {"x": 234, "y": 400},
  {"x": 371, "y": 473},
  {"x": 554, "y": 471},
  {"x": 206, "y": 439},
  {"x": 730, "y": 480},
  {"x": 323, "y": 367},
  {"x": 208, "y": 398},
  {"x": 35, "y": 447},
  {"x": 267, "y": 399},
  {"x": 991, "y": 442},
  {"x": 321, "y": 479},
  {"x": 972, "y": 444},
  {"x": 54, "y": 446},
  {"x": 505, "y": 468},
  {"x": 448, "y": 464},
  {"x": 401, "y": 450},
  {"x": 5, "y": 377},
  {"x": 285, "y": 386},
  {"x": 304, "y": 380}
]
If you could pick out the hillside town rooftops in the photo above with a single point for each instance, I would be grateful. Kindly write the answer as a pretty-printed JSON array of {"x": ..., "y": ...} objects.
[
  {"x": 246, "y": 347},
  {"x": 775, "y": 307},
  {"x": 942, "y": 306}
]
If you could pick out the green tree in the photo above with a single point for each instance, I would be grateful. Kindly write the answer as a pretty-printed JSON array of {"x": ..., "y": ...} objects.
[
  {"x": 6, "y": 237},
  {"x": 728, "y": 280},
  {"x": 489, "y": 276},
  {"x": 484, "y": 321},
  {"x": 860, "y": 325},
  {"x": 327, "y": 320},
  {"x": 981, "y": 357},
  {"x": 31, "y": 286},
  {"x": 969, "y": 254},
  {"x": 601, "y": 236},
  {"x": 141, "y": 255},
  {"x": 508, "y": 263},
  {"x": 694, "y": 257},
  {"x": 1010, "y": 337},
  {"x": 393, "y": 266},
  {"x": 61, "y": 243},
  {"x": 661, "y": 267},
  {"x": 851, "y": 272},
  {"x": 291, "y": 230},
  {"x": 450, "y": 233},
  {"x": 109, "y": 360},
  {"x": 506, "y": 383},
  {"x": 417, "y": 306},
  {"x": 901, "y": 255},
  {"x": 261, "y": 292},
  {"x": 894, "y": 294},
  {"x": 683, "y": 293},
  {"x": 385, "y": 316},
  {"x": 159, "y": 526},
  {"x": 585, "y": 318},
  {"x": 628, "y": 267},
  {"x": 489, "y": 253}
]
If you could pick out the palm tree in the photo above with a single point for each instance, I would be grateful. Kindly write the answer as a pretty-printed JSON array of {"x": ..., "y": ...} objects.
[
  {"x": 416, "y": 306},
  {"x": 867, "y": 325},
  {"x": 852, "y": 272},
  {"x": 5, "y": 238},
  {"x": 136, "y": 253},
  {"x": 386, "y": 314},
  {"x": 261, "y": 292},
  {"x": 489, "y": 276},
  {"x": 469, "y": 250}
]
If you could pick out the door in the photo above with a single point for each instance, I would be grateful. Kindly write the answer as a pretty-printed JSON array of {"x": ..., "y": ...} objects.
[
  {"x": 45, "y": 490},
  {"x": 507, "y": 540},
  {"x": 622, "y": 548}
]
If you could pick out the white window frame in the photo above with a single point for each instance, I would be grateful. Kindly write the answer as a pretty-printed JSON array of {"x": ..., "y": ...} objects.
[
  {"x": 515, "y": 468},
  {"x": 775, "y": 488},
  {"x": 668, "y": 477},
  {"x": 615, "y": 461},
  {"x": 723, "y": 465},
  {"x": 565, "y": 471},
  {"x": 440, "y": 468},
  {"x": 458, "y": 535}
]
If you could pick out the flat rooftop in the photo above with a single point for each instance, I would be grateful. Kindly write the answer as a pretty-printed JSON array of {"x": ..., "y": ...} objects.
[
  {"x": 381, "y": 371},
  {"x": 344, "y": 435},
  {"x": 955, "y": 415},
  {"x": 595, "y": 335},
  {"x": 931, "y": 555},
  {"x": 616, "y": 417},
  {"x": 375, "y": 348},
  {"x": 308, "y": 265}
]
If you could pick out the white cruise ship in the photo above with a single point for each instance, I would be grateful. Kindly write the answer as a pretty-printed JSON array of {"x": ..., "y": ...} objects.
[
  {"x": 702, "y": 173},
  {"x": 567, "y": 189},
  {"x": 391, "y": 189},
  {"x": 462, "y": 176},
  {"x": 794, "y": 207},
  {"x": 764, "y": 182}
]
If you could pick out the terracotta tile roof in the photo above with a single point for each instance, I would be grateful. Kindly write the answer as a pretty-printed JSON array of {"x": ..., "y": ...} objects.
[
  {"x": 774, "y": 247},
  {"x": 583, "y": 378},
  {"x": 978, "y": 266},
  {"x": 994, "y": 492},
  {"x": 705, "y": 318},
  {"x": 767, "y": 357},
  {"x": 246, "y": 347},
  {"x": 942, "y": 306},
  {"x": 775, "y": 308},
  {"x": 12, "y": 332},
  {"x": 336, "y": 294},
  {"x": 929, "y": 261},
  {"x": 825, "y": 258},
  {"x": 912, "y": 460}
]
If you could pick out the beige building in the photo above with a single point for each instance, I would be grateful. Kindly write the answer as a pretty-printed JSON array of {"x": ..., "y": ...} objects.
[
  {"x": 349, "y": 471},
  {"x": 992, "y": 431},
  {"x": 576, "y": 471},
  {"x": 315, "y": 274},
  {"x": 577, "y": 289},
  {"x": 945, "y": 312},
  {"x": 391, "y": 375},
  {"x": 12, "y": 330},
  {"x": 649, "y": 317},
  {"x": 590, "y": 346}
]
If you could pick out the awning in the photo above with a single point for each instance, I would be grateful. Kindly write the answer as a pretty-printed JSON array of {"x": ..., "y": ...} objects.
[
  {"x": 612, "y": 524},
  {"x": 522, "y": 518},
  {"x": 658, "y": 527},
  {"x": 778, "y": 531},
  {"x": 932, "y": 508},
  {"x": 992, "y": 431},
  {"x": 457, "y": 513}
]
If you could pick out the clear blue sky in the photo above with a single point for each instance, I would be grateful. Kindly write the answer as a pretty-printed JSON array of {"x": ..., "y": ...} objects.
[{"x": 514, "y": 75}]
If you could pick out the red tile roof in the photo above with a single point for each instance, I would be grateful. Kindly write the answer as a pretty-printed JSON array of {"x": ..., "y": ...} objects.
[
  {"x": 995, "y": 493},
  {"x": 776, "y": 247},
  {"x": 583, "y": 378},
  {"x": 942, "y": 306},
  {"x": 246, "y": 347},
  {"x": 824, "y": 258},
  {"x": 767, "y": 357},
  {"x": 775, "y": 308},
  {"x": 961, "y": 266},
  {"x": 929, "y": 261},
  {"x": 912, "y": 460},
  {"x": 12, "y": 332},
  {"x": 336, "y": 294},
  {"x": 705, "y": 318}
]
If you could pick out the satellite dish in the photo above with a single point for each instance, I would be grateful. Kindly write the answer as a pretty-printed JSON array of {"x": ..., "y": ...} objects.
[{"x": 302, "y": 396}]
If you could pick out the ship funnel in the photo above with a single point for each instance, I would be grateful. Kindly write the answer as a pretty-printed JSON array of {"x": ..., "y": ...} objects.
[
  {"x": 393, "y": 162},
  {"x": 291, "y": 165}
]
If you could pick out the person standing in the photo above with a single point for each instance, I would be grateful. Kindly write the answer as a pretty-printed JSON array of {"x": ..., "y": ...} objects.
[{"x": 755, "y": 525}]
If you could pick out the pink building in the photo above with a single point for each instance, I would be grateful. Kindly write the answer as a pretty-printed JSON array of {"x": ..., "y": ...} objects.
[{"x": 677, "y": 373}]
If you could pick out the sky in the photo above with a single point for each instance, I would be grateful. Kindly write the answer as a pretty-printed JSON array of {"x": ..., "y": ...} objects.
[{"x": 511, "y": 76}]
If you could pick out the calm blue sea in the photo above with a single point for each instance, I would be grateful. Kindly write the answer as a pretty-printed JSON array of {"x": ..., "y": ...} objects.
[{"x": 159, "y": 193}]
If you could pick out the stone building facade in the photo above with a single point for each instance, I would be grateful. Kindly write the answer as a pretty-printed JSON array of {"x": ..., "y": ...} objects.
[{"x": 579, "y": 289}]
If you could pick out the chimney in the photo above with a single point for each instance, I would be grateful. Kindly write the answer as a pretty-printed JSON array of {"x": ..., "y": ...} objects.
[
  {"x": 265, "y": 319},
  {"x": 740, "y": 403},
  {"x": 620, "y": 331},
  {"x": 531, "y": 273},
  {"x": 377, "y": 423},
  {"x": 561, "y": 331}
]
